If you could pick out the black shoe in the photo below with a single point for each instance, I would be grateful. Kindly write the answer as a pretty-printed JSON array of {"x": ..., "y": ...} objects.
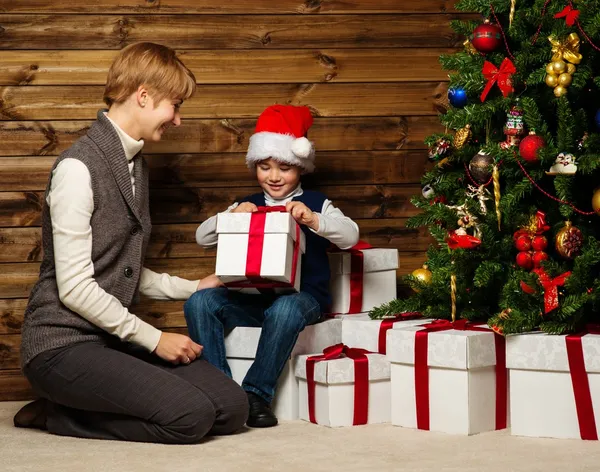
[
  {"x": 261, "y": 415},
  {"x": 32, "y": 415}
]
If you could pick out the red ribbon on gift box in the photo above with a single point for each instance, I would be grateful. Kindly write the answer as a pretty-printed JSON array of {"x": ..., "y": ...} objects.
[
  {"x": 256, "y": 239},
  {"x": 422, "y": 369},
  {"x": 387, "y": 324},
  {"x": 361, "y": 379},
  {"x": 500, "y": 76},
  {"x": 356, "y": 276},
  {"x": 581, "y": 385}
]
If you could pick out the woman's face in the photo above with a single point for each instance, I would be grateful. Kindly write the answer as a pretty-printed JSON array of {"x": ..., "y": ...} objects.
[
  {"x": 155, "y": 121},
  {"x": 277, "y": 178}
]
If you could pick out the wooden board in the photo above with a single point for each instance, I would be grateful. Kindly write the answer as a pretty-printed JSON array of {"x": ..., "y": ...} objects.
[
  {"x": 90, "y": 67},
  {"x": 35, "y": 138},
  {"x": 93, "y": 31},
  {"x": 236, "y": 101},
  {"x": 227, "y": 170},
  {"x": 14, "y": 386},
  {"x": 179, "y": 240},
  {"x": 186, "y": 7}
]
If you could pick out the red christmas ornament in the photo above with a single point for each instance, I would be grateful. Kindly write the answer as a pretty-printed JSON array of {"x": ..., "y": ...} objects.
[
  {"x": 530, "y": 145},
  {"x": 538, "y": 257},
  {"x": 524, "y": 260},
  {"x": 539, "y": 243},
  {"x": 523, "y": 243},
  {"x": 518, "y": 233},
  {"x": 487, "y": 37}
]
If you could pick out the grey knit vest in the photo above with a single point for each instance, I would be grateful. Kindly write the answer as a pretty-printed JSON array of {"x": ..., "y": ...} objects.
[{"x": 121, "y": 228}]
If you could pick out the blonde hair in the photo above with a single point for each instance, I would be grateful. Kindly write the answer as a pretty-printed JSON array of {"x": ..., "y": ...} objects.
[{"x": 153, "y": 65}]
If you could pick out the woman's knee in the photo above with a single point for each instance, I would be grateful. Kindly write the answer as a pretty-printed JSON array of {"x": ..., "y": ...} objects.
[
  {"x": 233, "y": 413},
  {"x": 189, "y": 427}
]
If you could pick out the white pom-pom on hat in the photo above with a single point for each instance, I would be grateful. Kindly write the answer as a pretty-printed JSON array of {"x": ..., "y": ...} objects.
[{"x": 302, "y": 147}]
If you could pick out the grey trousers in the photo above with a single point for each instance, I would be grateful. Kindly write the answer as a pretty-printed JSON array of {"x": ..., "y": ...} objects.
[{"x": 116, "y": 391}]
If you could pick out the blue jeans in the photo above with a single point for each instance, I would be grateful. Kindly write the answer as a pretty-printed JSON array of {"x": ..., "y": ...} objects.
[{"x": 211, "y": 312}]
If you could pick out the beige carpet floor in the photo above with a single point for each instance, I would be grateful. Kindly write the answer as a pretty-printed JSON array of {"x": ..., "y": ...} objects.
[{"x": 296, "y": 446}]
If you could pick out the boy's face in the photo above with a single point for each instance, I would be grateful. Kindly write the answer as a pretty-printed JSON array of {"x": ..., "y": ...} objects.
[
  {"x": 155, "y": 121},
  {"x": 277, "y": 178}
]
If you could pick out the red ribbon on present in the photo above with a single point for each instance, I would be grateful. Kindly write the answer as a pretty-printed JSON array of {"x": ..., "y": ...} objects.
[
  {"x": 500, "y": 76},
  {"x": 356, "y": 276},
  {"x": 422, "y": 369},
  {"x": 361, "y": 379},
  {"x": 581, "y": 385},
  {"x": 551, "y": 288},
  {"x": 256, "y": 238},
  {"x": 387, "y": 324},
  {"x": 569, "y": 14}
]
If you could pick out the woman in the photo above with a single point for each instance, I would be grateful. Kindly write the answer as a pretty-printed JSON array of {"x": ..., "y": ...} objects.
[{"x": 101, "y": 371}]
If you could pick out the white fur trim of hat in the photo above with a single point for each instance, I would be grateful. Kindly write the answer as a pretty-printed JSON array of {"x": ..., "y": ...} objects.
[{"x": 283, "y": 148}]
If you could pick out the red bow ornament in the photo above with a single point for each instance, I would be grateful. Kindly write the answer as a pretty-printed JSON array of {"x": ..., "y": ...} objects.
[
  {"x": 551, "y": 288},
  {"x": 500, "y": 76},
  {"x": 569, "y": 14},
  {"x": 462, "y": 241}
]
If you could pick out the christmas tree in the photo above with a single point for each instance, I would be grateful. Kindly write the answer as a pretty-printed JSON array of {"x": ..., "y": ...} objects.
[{"x": 511, "y": 199}]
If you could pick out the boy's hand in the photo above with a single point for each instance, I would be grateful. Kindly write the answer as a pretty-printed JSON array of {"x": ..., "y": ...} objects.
[
  {"x": 212, "y": 281},
  {"x": 303, "y": 215},
  {"x": 245, "y": 207}
]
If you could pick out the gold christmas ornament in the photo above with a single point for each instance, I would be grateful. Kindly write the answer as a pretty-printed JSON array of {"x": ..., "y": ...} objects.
[
  {"x": 571, "y": 68},
  {"x": 566, "y": 50},
  {"x": 469, "y": 48},
  {"x": 462, "y": 136},
  {"x": 565, "y": 79},
  {"x": 596, "y": 201},
  {"x": 558, "y": 67},
  {"x": 453, "y": 295},
  {"x": 569, "y": 241},
  {"x": 551, "y": 80},
  {"x": 559, "y": 91},
  {"x": 496, "y": 179},
  {"x": 423, "y": 275},
  {"x": 549, "y": 69},
  {"x": 511, "y": 15}
]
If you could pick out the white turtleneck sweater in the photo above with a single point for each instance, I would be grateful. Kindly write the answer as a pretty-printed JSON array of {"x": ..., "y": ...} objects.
[
  {"x": 71, "y": 203},
  {"x": 333, "y": 224}
]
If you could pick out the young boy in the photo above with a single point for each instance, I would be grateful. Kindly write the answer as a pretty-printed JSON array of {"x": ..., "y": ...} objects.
[{"x": 279, "y": 153}]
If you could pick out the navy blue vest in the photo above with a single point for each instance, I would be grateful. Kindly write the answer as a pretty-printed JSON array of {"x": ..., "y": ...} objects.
[{"x": 315, "y": 263}]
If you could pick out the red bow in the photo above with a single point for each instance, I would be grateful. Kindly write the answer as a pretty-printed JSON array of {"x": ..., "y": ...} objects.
[
  {"x": 569, "y": 14},
  {"x": 462, "y": 241},
  {"x": 540, "y": 218},
  {"x": 551, "y": 288},
  {"x": 500, "y": 76}
]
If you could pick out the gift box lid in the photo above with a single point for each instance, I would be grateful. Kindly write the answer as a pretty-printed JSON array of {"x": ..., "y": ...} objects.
[
  {"x": 341, "y": 371},
  {"x": 376, "y": 259},
  {"x": 452, "y": 349},
  {"x": 540, "y": 351},
  {"x": 275, "y": 222}
]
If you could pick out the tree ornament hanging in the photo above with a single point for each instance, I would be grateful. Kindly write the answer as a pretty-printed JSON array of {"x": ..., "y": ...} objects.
[
  {"x": 563, "y": 165},
  {"x": 596, "y": 201},
  {"x": 530, "y": 145},
  {"x": 457, "y": 96},
  {"x": 559, "y": 72},
  {"x": 569, "y": 241},
  {"x": 597, "y": 119},
  {"x": 440, "y": 149},
  {"x": 496, "y": 179},
  {"x": 487, "y": 37},
  {"x": 428, "y": 192},
  {"x": 480, "y": 167},
  {"x": 514, "y": 127},
  {"x": 501, "y": 76},
  {"x": 423, "y": 275},
  {"x": 462, "y": 136}
]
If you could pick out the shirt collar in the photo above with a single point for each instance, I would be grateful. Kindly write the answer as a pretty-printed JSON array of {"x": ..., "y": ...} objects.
[{"x": 130, "y": 145}]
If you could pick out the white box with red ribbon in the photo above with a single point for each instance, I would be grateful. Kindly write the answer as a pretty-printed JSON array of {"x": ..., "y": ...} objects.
[
  {"x": 344, "y": 387},
  {"x": 554, "y": 385},
  {"x": 448, "y": 377},
  {"x": 259, "y": 251},
  {"x": 241, "y": 345},
  {"x": 362, "y": 278},
  {"x": 363, "y": 332}
]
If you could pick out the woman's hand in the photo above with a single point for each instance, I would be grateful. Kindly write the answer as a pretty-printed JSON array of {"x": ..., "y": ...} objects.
[
  {"x": 245, "y": 207},
  {"x": 212, "y": 281},
  {"x": 303, "y": 215},
  {"x": 177, "y": 348}
]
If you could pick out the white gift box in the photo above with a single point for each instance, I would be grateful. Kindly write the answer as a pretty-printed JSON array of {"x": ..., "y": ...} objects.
[
  {"x": 379, "y": 278},
  {"x": 334, "y": 390},
  {"x": 241, "y": 344},
  {"x": 541, "y": 389},
  {"x": 280, "y": 233},
  {"x": 363, "y": 332},
  {"x": 462, "y": 379}
]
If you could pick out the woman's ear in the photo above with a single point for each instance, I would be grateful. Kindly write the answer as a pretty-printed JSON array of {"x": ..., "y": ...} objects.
[{"x": 141, "y": 96}]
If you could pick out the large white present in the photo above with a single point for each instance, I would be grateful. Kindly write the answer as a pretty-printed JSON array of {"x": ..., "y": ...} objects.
[
  {"x": 446, "y": 379},
  {"x": 241, "y": 344},
  {"x": 340, "y": 394},
  {"x": 554, "y": 385},
  {"x": 363, "y": 332},
  {"x": 259, "y": 250},
  {"x": 370, "y": 273}
]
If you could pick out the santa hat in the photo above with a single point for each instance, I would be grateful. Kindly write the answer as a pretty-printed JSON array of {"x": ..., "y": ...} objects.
[{"x": 281, "y": 134}]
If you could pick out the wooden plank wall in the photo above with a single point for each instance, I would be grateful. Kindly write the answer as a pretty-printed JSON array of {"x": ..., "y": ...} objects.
[{"x": 367, "y": 68}]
